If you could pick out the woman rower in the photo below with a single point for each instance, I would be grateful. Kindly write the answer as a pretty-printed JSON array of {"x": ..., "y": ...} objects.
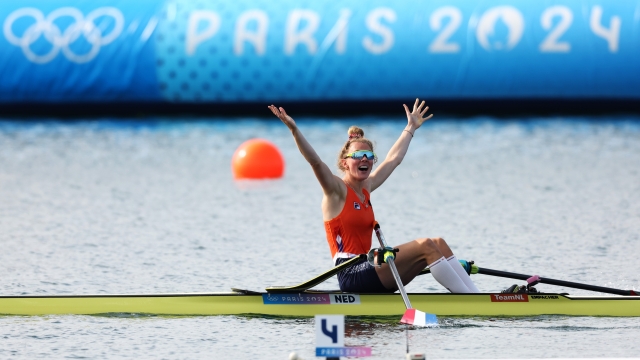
[{"x": 348, "y": 214}]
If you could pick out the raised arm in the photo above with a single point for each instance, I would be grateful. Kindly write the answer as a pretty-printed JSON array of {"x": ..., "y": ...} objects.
[
  {"x": 330, "y": 183},
  {"x": 415, "y": 119}
]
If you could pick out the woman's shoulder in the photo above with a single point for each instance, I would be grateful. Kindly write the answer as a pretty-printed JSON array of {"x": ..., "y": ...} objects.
[
  {"x": 340, "y": 189},
  {"x": 333, "y": 203},
  {"x": 367, "y": 186}
]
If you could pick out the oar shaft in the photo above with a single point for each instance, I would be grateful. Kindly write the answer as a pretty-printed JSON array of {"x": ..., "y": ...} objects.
[
  {"x": 396, "y": 276},
  {"x": 569, "y": 284},
  {"x": 392, "y": 266}
]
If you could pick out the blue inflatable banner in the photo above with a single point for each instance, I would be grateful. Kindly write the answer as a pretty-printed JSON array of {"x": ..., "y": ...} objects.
[
  {"x": 99, "y": 50},
  {"x": 300, "y": 50}
]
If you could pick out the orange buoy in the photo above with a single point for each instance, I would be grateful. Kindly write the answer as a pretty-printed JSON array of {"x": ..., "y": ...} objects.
[{"x": 257, "y": 159}]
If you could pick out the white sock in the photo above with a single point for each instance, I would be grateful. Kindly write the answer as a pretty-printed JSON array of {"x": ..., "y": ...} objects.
[
  {"x": 455, "y": 264},
  {"x": 447, "y": 277}
]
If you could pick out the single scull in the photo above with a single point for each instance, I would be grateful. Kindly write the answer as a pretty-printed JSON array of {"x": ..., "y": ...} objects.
[
  {"x": 312, "y": 303},
  {"x": 298, "y": 300}
]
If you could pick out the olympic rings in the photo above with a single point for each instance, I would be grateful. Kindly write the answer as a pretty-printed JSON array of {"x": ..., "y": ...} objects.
[{"x": 62, "y": 40}]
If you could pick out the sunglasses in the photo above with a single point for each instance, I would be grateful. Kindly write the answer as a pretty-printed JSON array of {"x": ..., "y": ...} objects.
[{"x": 359, "y": 154}]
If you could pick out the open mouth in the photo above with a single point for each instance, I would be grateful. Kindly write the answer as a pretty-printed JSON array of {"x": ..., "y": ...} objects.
[{"x": 363, "y": 168}]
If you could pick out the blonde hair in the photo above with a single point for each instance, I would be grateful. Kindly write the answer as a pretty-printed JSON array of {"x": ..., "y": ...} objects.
[{"x": 355, "y": 135}]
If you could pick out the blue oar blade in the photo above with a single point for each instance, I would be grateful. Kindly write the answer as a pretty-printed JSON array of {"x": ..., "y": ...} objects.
[{"x": 419, "y": 318}]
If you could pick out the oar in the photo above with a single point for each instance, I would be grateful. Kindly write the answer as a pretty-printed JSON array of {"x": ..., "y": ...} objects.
[
  {"x": 411, "y": 316},
  {"x": 568, "y": 284},
  {"x": 318, "y": 279},
  {"x": 475, "y": 269}
]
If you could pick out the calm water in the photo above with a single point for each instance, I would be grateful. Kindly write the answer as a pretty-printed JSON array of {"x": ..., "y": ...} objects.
[{"x": 104, "y": 207}]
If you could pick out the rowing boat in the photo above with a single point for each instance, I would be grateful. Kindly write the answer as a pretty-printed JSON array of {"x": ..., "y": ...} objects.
[
  {"x": 299, "y": 300},
  {"x": 311, "y": 303}
]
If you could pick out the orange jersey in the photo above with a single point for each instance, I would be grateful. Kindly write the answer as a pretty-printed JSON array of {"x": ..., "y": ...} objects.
[{"x": 350, "y": 232}]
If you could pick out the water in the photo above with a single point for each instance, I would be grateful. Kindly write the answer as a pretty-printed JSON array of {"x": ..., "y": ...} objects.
[{"x": 113, "y": 207}]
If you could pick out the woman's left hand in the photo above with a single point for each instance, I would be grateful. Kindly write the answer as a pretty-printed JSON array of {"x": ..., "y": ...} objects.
[{"x": 416, "y": 117}]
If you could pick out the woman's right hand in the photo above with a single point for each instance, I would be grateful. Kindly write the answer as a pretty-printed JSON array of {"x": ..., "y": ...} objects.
[
  {"x": 332, "y": 185},
  {"x": 282, "y": 115}
]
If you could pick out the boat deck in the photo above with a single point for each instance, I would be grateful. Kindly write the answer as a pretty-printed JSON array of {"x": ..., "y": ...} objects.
[{"x": 312, "y": 303}]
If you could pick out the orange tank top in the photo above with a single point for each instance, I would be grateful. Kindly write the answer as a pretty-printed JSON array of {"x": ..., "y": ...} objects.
[{"x": 349, "y": 233}]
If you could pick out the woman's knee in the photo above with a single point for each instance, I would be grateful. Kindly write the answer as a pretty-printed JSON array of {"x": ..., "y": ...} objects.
[
  {"x": 432, "y": 241},
  {"x": 442, "y": 246},
  {"x": 439, "y": 242},
  {"x": 430, "y": 251},
  {"x": 428, "y": 245}
]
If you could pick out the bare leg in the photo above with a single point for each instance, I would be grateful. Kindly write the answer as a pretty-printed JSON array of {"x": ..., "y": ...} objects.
[
  {"x": 413, "y": 257},
  {"x": 443, "y": 247}
]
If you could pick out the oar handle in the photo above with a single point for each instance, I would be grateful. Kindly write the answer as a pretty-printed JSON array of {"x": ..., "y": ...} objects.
[
  {"x": 569, "y": 284},
  {"x": 376, "y": 228}
]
